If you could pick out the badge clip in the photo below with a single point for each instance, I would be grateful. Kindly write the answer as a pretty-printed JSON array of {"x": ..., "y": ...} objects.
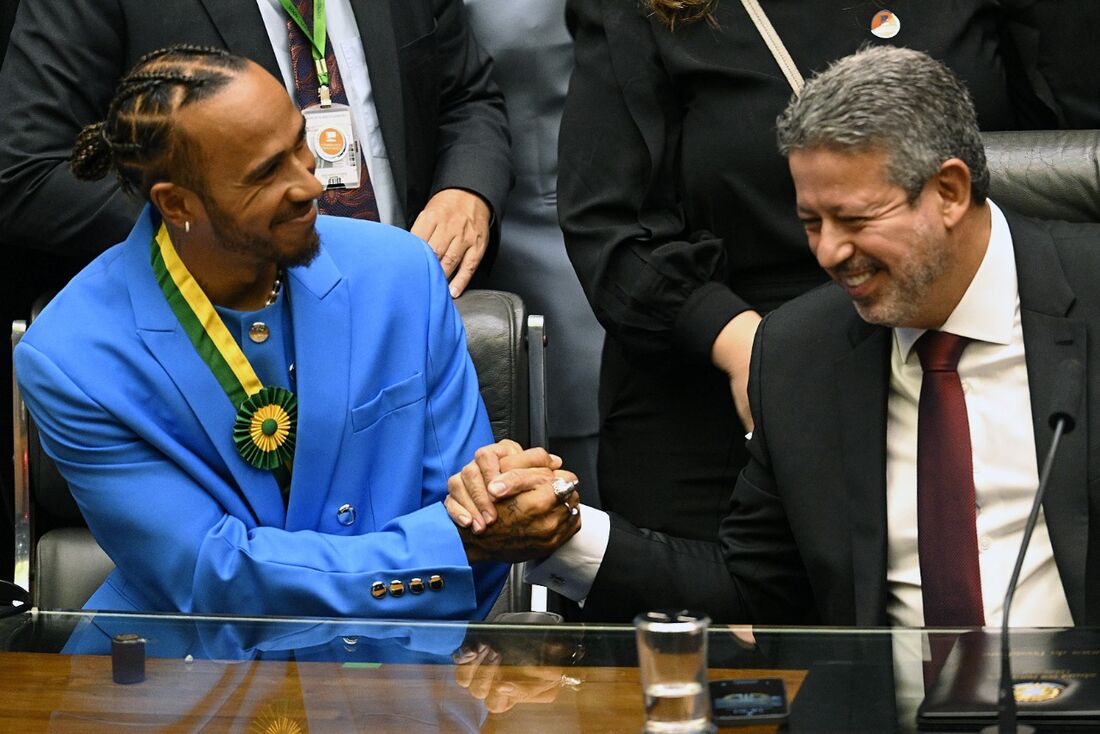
[{"x": 331, "y": 138}]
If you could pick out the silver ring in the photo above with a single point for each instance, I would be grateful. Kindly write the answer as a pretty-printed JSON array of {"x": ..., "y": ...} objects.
[
  {"x": 563, "y": 488},
  {"x": 569, "y": 681},
  {"x": 574, "y": 511}
]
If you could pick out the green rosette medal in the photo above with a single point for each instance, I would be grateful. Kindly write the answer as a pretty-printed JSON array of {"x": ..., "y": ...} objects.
[
  {"x": 264, "y": 430},
  {"x": 267, "y": 417}
]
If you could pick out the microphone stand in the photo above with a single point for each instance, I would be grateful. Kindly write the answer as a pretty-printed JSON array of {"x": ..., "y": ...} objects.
[{"x": 1006, "y": 699}]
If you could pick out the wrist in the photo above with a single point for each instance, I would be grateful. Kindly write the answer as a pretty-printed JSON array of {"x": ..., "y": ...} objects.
[
  {"x": 475, "y": 551},
  {"x": 733, "y": 345}
]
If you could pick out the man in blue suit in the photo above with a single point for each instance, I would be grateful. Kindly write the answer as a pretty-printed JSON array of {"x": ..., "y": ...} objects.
[{"x": 258, "y": 409}]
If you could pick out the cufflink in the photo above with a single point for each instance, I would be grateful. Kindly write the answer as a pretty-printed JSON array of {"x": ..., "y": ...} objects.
[
  {"x": 378, "y": 589},
  {"x": 416, "y": 585},
  {"x": 435, "y": 583},
  {"x": 397, "y": 588}
]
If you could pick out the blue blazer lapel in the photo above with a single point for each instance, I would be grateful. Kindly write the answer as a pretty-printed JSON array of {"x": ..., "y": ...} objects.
[
  {"x": 162, "y": 334},
  {"x": 321, "y": 313},
  {"x": 862, "y": 387},
  {"x": 1052, "y": 336}
]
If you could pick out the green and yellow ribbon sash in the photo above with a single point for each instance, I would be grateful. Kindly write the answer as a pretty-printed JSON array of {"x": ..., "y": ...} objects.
[{"x": 266, "y": 424}]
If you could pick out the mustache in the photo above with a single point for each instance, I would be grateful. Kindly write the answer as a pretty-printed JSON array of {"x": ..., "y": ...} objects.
[
  {"x": 855, "y": 264},
  {"x": 295, "y": 212}
]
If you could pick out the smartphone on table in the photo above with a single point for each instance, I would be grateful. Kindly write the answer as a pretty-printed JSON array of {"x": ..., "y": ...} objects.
[{"x": 748, "y": 701}]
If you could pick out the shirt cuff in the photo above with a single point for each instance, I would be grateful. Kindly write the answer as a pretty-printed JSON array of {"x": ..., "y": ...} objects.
[{"x": 571, "y": 569}]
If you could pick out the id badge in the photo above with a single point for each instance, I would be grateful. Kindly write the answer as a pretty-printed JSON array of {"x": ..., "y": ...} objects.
[{"x": 331, "y": 138}]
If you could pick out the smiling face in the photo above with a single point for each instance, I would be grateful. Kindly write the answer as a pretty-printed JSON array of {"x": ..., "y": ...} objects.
[
  {"x": 895, "y": 259},
  {"x": 257, "y": 186}
]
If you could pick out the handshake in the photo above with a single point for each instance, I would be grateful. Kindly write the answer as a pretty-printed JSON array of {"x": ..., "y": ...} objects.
[{"x": 512, "y": 505}]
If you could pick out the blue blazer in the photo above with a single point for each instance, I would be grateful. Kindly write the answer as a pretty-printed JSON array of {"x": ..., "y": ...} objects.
[{"x": 388, "y": 409}]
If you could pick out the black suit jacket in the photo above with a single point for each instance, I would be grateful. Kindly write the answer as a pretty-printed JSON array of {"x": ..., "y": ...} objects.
[
  {"x": 805, "y": 539},
  {"x": 442, "y": 117}
]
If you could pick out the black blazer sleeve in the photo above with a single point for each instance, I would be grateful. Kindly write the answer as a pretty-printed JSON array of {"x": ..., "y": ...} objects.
[
  {"x": 757, "y": 543},
  {"x": 644, "y": 569},
  {"x": 50, "y": 91},
  {"x": 653, "y": 285},
  {"x": 472, "y": 146},
  {"x": 1069, "y": 60}
]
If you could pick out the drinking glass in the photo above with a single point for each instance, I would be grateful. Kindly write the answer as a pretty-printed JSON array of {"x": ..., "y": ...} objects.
[{"x": 672, "y": 662}]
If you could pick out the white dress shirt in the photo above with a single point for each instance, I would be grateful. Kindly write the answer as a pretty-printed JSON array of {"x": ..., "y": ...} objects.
[
  {"x": 1002, "y": 438},
  {"x": 348, "y": 48},
  {"x": 994, "y": 379}
]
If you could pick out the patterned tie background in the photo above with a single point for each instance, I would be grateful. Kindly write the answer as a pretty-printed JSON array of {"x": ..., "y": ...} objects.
[{"x": 360, "y": 202}]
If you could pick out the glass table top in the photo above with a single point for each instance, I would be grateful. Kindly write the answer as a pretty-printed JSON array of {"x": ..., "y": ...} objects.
[{"x": 228, "y": 673}]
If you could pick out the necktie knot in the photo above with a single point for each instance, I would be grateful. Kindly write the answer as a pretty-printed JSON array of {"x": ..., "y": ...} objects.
[{"x": 940, "y": 351}]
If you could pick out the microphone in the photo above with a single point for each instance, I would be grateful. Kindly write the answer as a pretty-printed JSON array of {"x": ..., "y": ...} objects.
[
  {"x": 1063, "y": 418},
  {"x": 1067, "y": 395}
]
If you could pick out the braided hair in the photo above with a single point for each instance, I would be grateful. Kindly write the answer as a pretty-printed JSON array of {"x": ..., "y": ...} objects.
[
  {"x": 672, "y": 12},
  {"x": 140, "y": 140}
]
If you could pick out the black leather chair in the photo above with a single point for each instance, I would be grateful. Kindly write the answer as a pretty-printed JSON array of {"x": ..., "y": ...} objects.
[
  {"x": 510, "y": 371},
  {"x": 58, "y": 560},
  {"x": 508, "y": 350},
  {"x": 50, "y": 532},
  {"x": 1048, "y": 174}
]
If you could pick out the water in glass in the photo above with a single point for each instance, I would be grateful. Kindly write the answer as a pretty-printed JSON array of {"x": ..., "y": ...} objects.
[{"x": 678, "y": 707}]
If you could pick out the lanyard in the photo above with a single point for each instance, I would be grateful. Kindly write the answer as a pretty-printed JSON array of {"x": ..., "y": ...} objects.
[
  {"x": 265, "y": 428},
  {"x": 318, "y": 37}
]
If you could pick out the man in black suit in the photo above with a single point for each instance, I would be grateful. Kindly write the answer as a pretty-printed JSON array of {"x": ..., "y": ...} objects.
[
  {"x": 441, "y": 118},
  {"x": 891, "y": 185}
]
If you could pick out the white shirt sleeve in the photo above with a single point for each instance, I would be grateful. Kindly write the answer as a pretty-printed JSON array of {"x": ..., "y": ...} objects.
[{"x": 571, "y": 569}]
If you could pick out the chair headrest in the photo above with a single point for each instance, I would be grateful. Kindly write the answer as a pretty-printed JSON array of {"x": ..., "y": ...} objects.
[{"x": 1048, "y": 174}]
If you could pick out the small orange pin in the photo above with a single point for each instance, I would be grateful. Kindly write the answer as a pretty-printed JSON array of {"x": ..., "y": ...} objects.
[{"x": 885, "y": 24}]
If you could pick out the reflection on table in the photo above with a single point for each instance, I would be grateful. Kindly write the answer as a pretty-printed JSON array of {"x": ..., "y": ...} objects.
[{"x": 285, "y": 675}]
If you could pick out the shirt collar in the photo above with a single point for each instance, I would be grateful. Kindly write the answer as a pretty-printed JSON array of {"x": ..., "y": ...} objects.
[{"x": 986, "y": 310}]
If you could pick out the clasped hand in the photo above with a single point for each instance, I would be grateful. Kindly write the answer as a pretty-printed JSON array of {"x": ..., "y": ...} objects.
[
  {"x": 504, "y": 505},
  {"x": 504, "y": 671}
]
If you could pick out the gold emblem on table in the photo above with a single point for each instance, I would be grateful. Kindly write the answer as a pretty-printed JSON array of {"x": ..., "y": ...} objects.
[
  {"x": 276, "y": 719},
  {"x": 1037, "y": 691}
]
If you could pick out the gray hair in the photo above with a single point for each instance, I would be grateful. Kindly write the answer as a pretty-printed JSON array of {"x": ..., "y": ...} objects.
[{"x": 897, "y": 100}]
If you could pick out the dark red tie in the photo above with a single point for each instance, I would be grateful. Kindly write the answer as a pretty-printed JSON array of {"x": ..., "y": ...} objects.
[
  {"x": 947, "y": 535},
  {"x": 358, "y": 203}
]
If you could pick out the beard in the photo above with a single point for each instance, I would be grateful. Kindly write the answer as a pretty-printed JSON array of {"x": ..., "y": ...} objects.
[
  {"x": 911, "y": 282},
  {"x": 235, "y": 239}
]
